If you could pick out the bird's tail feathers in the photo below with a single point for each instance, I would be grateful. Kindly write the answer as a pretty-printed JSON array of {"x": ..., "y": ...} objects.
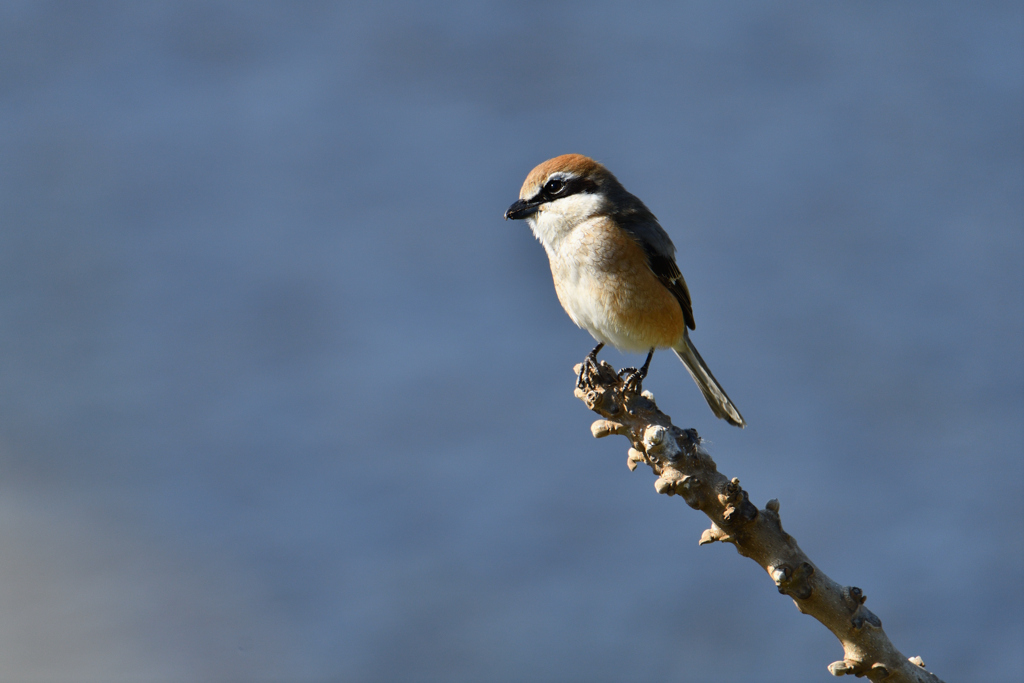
[{"x": 713, "y": 392}]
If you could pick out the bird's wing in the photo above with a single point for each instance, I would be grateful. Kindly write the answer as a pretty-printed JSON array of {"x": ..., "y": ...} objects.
[
  {"x": 665, "y": 268},
  {"x": 645, "y": 229}
]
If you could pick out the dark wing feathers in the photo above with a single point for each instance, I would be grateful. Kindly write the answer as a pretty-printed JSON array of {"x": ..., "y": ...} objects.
[
  {"x": 638, "y": 221},
  {"x": 668, "y": 272}
]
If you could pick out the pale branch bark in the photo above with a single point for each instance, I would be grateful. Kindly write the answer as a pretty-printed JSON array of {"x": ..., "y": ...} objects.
[{"x": 685, "y": 468}]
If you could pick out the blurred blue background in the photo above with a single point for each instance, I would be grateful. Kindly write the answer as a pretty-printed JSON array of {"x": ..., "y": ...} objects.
[{"x": 282, "y": 398}]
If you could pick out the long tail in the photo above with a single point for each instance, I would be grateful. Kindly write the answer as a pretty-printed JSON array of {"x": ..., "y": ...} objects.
[{"x": 709, "y": 386}]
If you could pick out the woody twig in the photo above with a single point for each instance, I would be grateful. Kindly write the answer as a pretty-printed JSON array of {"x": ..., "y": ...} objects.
[{"x": 685, "y": 468}]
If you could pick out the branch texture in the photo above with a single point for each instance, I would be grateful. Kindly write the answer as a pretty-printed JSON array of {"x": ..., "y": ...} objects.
[{"x": 685, "y": 469}]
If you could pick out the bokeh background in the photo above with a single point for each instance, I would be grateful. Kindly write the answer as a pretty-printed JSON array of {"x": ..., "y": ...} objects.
[{"x": 282, "y": 398}]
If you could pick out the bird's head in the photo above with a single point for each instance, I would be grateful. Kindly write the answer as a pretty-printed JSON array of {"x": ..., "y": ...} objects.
[{"x": 561, "y": 193}]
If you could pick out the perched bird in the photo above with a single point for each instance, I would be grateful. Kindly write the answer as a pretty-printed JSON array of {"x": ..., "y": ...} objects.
[{"x": 614, "y": 267}]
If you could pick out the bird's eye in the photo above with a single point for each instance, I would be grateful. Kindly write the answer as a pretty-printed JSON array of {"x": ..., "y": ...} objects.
[{"x": 554, "y": 186}]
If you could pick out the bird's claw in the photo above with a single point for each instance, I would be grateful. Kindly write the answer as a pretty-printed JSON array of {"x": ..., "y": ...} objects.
[
  {"x": 633, "y": 382},
  {"x": 589, "y": 365},
  {"x": 635, "y": 377}
]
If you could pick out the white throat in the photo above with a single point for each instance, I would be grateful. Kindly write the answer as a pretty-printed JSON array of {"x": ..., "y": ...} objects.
[{"x": 553, "y": 221}]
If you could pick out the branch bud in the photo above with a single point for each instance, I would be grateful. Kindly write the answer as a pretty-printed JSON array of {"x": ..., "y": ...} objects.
[{"x": 603, "y": 428}]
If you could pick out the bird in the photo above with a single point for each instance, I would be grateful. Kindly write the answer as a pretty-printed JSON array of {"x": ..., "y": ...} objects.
[{"x": 614, "y": 268}]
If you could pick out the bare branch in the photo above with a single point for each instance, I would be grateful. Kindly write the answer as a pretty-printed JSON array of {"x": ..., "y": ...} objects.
[{"x": 684, "y": 468}]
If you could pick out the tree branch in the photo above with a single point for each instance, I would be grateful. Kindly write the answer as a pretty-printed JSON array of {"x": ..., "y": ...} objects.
[{"x": 685, "y": 468}]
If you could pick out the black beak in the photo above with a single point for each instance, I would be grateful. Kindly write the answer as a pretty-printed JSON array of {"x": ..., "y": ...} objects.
[{"x": 521, "y": 209}]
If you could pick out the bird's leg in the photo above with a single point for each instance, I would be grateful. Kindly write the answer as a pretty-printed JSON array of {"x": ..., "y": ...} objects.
[
  {"x": 635, "y": 378},
  {"x": 647, "y": 364},
  {"x": 590, "y": 362}
]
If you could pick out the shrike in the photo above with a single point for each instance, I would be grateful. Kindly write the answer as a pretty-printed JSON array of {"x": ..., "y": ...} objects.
[{"x": 614, "y": 267}]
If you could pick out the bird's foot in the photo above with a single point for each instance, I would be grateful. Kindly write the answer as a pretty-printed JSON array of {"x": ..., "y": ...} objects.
[
  {"x": 634, "y": 377},
  {"x": 588, "y": 365},
  {"x": 633, "y": 382}
]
